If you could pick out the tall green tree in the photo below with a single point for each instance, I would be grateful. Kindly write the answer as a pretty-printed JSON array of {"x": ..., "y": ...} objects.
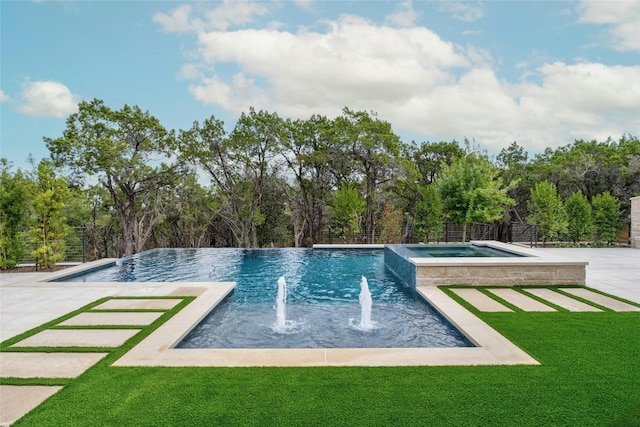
[
  {"x": 606, "y": 217},
  {"x": 348, "y": 209},
  {"x": 375, "y": 151},
  {"x": 579, "y": 218},
  {"x": 429, "y": 157},
  {"x": 309, "y": 151},
  {"x": 239, "y": 165},
  {"x": 132, "y": 156},
  {"x": 49, "y": 228},
  {"x": 14, "y": 212},
  {"x": 429, "y": 215},
  {"x": 188, "y": 215},
  {"x": 513, "y": 162},
  {"x": 471, "y": 191},
  {"x": 547, "y": 211}
]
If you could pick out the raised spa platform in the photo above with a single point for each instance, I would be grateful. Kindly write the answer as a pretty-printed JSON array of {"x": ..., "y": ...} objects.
[{"x": 507, "y": 265}]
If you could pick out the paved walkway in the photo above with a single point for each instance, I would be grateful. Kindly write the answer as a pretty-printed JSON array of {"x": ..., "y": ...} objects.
[
  {"x": 31, "y": 362},
  {"x": 615, "y": 271}
]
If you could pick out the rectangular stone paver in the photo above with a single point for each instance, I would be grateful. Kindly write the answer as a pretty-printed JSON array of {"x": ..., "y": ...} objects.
[
  {"x": 17, "y": 400},
  {"x": 47, "y": 365},
  {"x": 138, "y": 304},
  {"x": 480, "y": 301},
  {"x": 603, "y": 300},
  {"x": 561, "y": 300},
  {"x": 115, "y": 318},
  {"x": 520, "y": 300},
  {"x": 78, "y": 338}
]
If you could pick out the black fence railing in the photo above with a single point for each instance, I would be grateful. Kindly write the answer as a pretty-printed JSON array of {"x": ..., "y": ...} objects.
[
  {"x": 515, "y": 232},
  {"x": 75, "y": 247}
]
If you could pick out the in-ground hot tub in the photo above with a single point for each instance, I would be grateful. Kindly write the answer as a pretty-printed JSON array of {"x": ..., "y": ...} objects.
[{"x": 480, "y": 263}]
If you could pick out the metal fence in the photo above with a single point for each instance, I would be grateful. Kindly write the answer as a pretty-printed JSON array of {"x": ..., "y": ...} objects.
[
  {"x": 75, "y": 247},
  {"x": 519, "y": 232},
  {"x": 515, "y": 232}
]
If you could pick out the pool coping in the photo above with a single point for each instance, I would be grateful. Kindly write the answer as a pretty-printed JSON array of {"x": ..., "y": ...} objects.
[{"x": 158, "y": 349}]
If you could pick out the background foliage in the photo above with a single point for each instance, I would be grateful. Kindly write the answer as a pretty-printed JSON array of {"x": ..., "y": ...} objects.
[{"x": 134, "y": 185}]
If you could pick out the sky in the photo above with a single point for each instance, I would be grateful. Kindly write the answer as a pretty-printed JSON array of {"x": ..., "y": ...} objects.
[{"x": 542, "y": 73}]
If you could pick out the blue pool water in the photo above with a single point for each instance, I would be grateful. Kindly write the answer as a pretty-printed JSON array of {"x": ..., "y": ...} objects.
[
  {"x": 456, "y": 251},
  {"x": 322, "y": 307}
]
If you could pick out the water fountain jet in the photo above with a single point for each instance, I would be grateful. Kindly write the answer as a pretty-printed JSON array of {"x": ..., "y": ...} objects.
[
  {"x": 365, "y": 305},
  {"x": 281, "y": 302}
]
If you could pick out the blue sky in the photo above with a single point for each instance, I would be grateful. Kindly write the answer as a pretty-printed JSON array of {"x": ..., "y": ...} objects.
[{"x": 539, "y": 73}]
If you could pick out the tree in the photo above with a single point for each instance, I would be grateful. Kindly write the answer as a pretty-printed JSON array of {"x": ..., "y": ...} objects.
[
  {"x": 238, "y": 166},
  {"x": 471, "y": 191},
  {"x": 49, "y": 228},
  {"x": 188, "y": 215},
  {"x": 309, "y": 153},
  {"x": 429, "y": 215},
  {"x": 606, "y": 217},
  {"x": 348, "y": 207},
  {"x": 513, "y": 163},
  {"x": 392, "y": 220},
  {"x": 13, "y": 215},
  {"x": 124, "y": 150},
  {"x": 579, "y": 220},
  {"x": 429, "y": 157},
  {"x": 547, "y": 211},
  {"x": 375, "y": 150}
]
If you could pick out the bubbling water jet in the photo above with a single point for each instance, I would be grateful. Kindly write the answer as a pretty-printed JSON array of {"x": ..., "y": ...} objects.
[
  {"x": 281, "y": 302},
  {"x": 365, "y": 305}
]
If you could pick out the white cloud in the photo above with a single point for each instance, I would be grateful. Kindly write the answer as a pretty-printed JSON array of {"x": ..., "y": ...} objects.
[
  {"x": 4, "y": 97},
  {"x": 463, "y": 11},
  {"x": 622, "y": 17},
  {"x": 229, "y": 13},
  {"x": 354, "y": 62},
  {"x": 419, "y": 82},
  {"x": 47, "y": 99},
  {"x": 178, "y": 20},
  {"x": 190, "y": 71},
  {"x": 404, "y": 16},
  {"x": 304, "y": 4}
]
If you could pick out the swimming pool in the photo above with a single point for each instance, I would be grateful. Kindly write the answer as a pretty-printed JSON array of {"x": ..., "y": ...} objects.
[
  {"x": 322, "y": 304},
  {"x": 458, "y": 251}
]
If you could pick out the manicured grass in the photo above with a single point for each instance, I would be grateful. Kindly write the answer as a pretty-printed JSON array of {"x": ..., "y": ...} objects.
[{"x": 589, "y": 376}]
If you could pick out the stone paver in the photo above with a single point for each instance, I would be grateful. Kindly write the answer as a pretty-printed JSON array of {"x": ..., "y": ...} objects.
[
  {"x": 15, "y": 401},
  {"x": 520, "y": 300},
  {"x": 78, "y": 338},
  {"x": 615, "y": 271},
  {"x": 46, "y": 365},
  {"x": 115, "y": 318},
  {"x": 138, "y": 304},
  {"x": 561, "y": 300},
  {"x": 480, "y": 301},
  {"x": 603, "y": 300}
]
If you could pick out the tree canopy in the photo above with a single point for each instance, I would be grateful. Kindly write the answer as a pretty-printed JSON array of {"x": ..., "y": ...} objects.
[{"x": 267, "y": 180}]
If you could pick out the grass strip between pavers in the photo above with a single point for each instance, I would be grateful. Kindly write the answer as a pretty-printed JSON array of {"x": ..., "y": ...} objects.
[
  {"x": 486, "y": 290},
  {"x": 147, "y": 329}
]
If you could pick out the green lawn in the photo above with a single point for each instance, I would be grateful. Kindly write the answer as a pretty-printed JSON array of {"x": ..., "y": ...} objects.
[{"x": 589, "y": 376}]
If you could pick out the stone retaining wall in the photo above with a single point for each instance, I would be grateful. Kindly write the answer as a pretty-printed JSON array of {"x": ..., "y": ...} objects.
[{"x": 501, "y": 275}]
